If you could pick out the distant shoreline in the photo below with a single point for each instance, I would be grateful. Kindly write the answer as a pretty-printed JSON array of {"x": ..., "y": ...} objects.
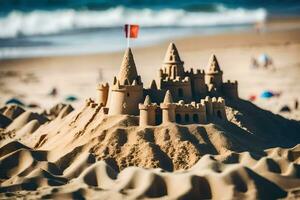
[{"x": 112, "y": 41}]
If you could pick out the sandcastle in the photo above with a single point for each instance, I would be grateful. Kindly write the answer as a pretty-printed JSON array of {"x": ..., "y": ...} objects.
[{"x": 183, "y": 97}]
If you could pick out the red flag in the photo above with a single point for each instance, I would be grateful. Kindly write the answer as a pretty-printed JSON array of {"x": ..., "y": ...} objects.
[{"x": 134, "y": 30}]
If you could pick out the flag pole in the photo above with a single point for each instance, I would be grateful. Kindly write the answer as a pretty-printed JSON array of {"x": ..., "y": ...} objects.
[{"x": 128, "y": 35}]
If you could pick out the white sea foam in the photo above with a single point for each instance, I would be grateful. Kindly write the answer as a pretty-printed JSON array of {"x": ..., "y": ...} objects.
[{"x": 50, "y": 22}]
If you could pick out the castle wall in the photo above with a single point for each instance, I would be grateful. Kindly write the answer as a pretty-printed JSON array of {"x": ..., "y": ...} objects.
[
  {"x": 230, "y": 89},
  {"x": 190, "y": 113},
  {"x": 198, "y": 86},
  {"x": 190, "y": 117},
  {"x": 215, "y": 79},
  {"x": 179, "y": 88}
]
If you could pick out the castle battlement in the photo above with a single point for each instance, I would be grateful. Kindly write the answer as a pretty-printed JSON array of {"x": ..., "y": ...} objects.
[
  {"x": 118, "y": 87},
  {"x": 231, "y": 82},
  {"x": 103, "y": 86},
  {"x": 218, "y": 102},
  {"x": 198, "y": 74},
  {"x": 230, "y": 89},
  {"x": 187, "y": 87},
  {"x": 178, "y": 79},
  {"x": 192, "y": 107},
  {"x": 148, "y": 106}
]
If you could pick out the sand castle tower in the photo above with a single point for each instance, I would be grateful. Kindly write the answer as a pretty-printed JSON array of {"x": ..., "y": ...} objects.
[
  {"x": 213, "y": 75},
  {"x": 173, "y": 66},
  {"x": 198, "y": 86},
  {"x": 168, "y": 108},
  {"x": 147, "y": 112},
  {"x": 219, "y": 108},
  {"x": 127, "y": 89},
  {"x": 173, "y": 77},
  {"x": 208, "y": 106},
  {"x": 103, "y": 90}
]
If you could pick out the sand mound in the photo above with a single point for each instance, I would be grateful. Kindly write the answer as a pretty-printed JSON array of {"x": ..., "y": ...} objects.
[
  {"x": 79, "y": 175},
  {"x": 25, "y": 118},
  {"x": 84, "y": 153},
  {"x": 60, "y": 110},
  {"x": 12, "y": 111}
]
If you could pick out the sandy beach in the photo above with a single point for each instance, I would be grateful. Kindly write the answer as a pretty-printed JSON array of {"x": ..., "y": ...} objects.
[{"x": 32, "y": 79}]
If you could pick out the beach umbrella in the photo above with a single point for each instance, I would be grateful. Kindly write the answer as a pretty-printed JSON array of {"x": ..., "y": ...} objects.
[
  {"x": 14, "y": 101},
  {"x": 266, "y": 94},
  {"x": 71, "y": 98}
]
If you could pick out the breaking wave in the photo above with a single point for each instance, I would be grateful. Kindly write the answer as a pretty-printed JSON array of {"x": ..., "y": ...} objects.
[{"x": 41, "y": 22}]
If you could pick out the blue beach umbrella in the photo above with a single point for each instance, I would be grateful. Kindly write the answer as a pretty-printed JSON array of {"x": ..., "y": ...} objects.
[
  {"x": 71, "y": 98},
  {"x": 14, "y": 101},
  {"x": 266, "y": 94}
]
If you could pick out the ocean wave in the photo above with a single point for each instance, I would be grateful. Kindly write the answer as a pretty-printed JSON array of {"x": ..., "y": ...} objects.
[{"x": 38, "y": 22}]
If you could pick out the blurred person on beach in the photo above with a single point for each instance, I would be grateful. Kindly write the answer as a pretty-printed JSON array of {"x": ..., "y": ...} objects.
[
  {"x": 253, "y": 63},
  {"x": 263, "y": 61}
]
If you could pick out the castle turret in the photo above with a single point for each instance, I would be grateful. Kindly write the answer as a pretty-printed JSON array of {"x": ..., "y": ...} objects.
[
  {"x": 127, "y": 89},
  {"x": 173, "y": 66},
  {"x": 219, "y": 108},
  {"x": 213, "y": 75},
  {"x": 230, "y": 89},
  {"x": 103, "y": 93},
  {"x": 172, "y": 76},
  {"x": 147, "y": 112},
  {"x": 168, "y": 108},
  {"x": 209, "y": 108},
  {"x": 199, "y": 88}
]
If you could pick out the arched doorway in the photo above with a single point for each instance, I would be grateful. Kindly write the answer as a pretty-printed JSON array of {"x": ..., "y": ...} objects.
[
  {"x": 219, "y": 114},
  {"x": 180, "y": 92},
  {"x": 178, "y": 118},
  {"x": 195, "y": 118},
  {"x": 186, "y": 118}
]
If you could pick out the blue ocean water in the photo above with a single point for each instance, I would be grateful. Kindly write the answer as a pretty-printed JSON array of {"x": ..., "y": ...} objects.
[{"x": 57, "y": 27}]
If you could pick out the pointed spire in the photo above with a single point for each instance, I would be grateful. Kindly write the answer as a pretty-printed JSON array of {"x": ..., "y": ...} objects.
[
  {"x": 153, "y": 85},
  {"x": 172, "y": 55},
  {"x": 128, "y": 68},
  {"x": 147, "y": 100},
  {"x": 213, "y": 65},
  {"x": 168, "y": 97},
  {"x": 173, "y": 65}
]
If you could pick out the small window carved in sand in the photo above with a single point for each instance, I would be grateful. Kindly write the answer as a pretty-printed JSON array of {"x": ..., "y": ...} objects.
[{"x": 180, "y": 92}]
